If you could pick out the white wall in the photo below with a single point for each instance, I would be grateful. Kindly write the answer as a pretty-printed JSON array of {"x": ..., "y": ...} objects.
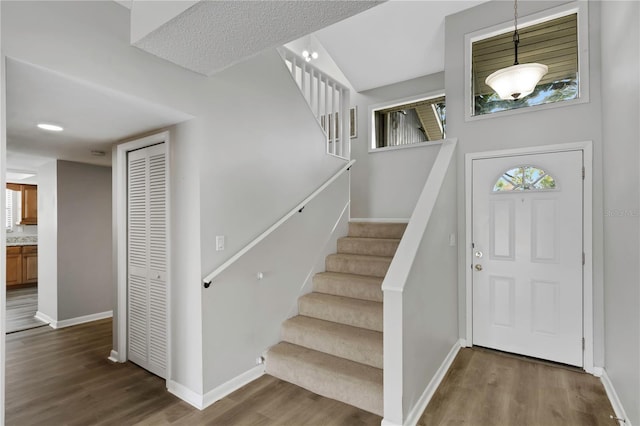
[
  {"x": 581, "y": 122},
  {"x": 388, "y": 184},
  {"x": 85, "y": 284},
  {"x": 236, "y": 333},
  {"x": 48, "y": 240},
  {"x": 420, "y": 296},
  {"x": 263, "y": 153},
  {"x": 430, "y": 306},
  {"x": 621, "y": 133}
]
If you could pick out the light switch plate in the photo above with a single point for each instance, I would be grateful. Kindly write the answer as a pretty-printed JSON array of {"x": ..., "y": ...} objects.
[{"x": 219, "y": 242}]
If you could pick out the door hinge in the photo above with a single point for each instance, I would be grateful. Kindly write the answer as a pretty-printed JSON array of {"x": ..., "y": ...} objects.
[
  {"x": 583, "y": 173},
  {"x": 584, "y": 258},
  {"x": 583, "y": 344}
]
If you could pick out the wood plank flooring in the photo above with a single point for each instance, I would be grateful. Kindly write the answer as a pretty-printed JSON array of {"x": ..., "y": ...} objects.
[
  {"x": 22, "y": 304},
  {"x": 485, "y": 387},
  {"x": 62, "y": 377}
]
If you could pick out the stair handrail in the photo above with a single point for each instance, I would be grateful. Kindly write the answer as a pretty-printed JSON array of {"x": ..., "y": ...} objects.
[
  {"x": 297, "y": 209},
  {"x": 338, "y": 141}
]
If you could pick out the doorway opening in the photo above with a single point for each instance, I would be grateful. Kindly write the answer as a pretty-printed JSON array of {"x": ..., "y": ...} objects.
[{"x": 523, "y": 268}]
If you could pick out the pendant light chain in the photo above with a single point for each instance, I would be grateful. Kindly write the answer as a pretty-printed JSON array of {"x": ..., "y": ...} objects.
[{"x": 516, "y": 35}]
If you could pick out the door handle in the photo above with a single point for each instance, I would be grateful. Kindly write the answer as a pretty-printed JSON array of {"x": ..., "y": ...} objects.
[{"x": 478, "y": 267}]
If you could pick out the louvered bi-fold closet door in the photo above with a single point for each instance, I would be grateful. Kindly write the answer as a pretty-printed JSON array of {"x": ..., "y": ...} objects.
[{"x": 147, "y": 259}]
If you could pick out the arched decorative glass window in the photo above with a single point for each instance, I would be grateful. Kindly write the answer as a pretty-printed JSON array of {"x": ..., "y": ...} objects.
[{"x": 524, "y": 178}]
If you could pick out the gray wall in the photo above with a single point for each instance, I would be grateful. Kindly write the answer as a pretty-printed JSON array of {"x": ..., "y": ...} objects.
[
  {"x": 621, "y": 134},
  {"x": 388, "y": 184},
  {"x": 574, "y": 123},
  {"x": 85, "y": 284}
]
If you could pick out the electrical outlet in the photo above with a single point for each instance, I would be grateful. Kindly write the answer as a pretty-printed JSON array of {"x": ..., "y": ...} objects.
[{"x": 219, "y": 242}]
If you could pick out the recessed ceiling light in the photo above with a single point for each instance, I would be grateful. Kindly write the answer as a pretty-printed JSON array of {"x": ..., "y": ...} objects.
[{"x": 50, "y": 127}]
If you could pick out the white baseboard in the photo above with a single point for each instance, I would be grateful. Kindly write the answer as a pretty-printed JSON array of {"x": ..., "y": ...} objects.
[
  {"x": 379, "y": 220},
  {"x": 203, "y": 401},
  {"x": 185, "y": 394},
  {"x": 236, "y": 383},
  {"x": 44, "y": 317},
  {"x": 417, "y": 410},
  {"x": 81, "y": 320},
  {"x": 596, "y": 371},
  {"x": 113, "y": 356},
  {"x": 613, "y": 398}
]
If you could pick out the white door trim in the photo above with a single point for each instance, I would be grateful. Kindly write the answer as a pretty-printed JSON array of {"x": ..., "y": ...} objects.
[
  {"x": 119, "y": 182},
  {"x": 587, "y": 149}
]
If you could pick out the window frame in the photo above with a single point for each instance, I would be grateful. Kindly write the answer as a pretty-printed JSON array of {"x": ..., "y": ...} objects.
[
  {"x": 578, "y": 7},
  {"x": 371, "y": 128}
]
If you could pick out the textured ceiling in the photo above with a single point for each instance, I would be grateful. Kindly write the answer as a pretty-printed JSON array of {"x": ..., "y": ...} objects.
[
  {"x": 396, "y": 41},
  {"x": 213, "y": 35},
  {"x": 93, "y": 117}
]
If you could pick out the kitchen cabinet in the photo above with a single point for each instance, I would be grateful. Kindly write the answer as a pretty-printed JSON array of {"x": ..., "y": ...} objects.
[
  {"x": 29, "y": 205},
  {"x": 29, "y": 264},
  {"x": 22, "y": 265},
  {"x": 28, "y": 202},
  {"x": 14, "y": 265}
]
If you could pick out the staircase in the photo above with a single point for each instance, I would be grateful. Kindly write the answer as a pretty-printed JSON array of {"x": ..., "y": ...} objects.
[{"x": 334, "y": 346}]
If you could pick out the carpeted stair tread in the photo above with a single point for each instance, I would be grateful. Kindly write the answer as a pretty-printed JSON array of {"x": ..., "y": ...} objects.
[
  {"x": 368, "y": 246},
  {"x": 327, "y": 375},
  {"x": 375, "y": 266},
  {"x": 352, "y": 343},
  {"x": 376, "y": 230},
  {"x": 343, "y": 310},
  {"x": 349, "y": 285}
]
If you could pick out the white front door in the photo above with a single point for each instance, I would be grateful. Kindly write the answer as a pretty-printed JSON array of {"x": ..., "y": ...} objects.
[{"x": 528, "y": 255}]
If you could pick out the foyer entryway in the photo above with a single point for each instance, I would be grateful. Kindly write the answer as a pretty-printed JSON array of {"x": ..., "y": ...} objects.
[{"x": 528, "y": 255}]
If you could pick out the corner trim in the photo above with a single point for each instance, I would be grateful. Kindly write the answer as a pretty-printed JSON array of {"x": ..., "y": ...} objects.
[
  {"x": 113, "y": 356},
  {"x": 46, "y": 318},
  {"x": 203, "y": 401},
  {"x": 230, "y": 386},
  {"x": 414, "y": 415},
  {"x": 618, "y": 409},
  {"x": 185, "y": 394}
]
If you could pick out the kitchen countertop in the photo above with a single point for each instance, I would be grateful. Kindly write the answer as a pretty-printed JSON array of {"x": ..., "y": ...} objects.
[{"x": 22, "y": 240}]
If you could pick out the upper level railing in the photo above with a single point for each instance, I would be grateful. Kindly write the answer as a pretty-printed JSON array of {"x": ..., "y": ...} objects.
[
  {"x": 297, "y": 209},
  {"x": 328, "y": 100}
]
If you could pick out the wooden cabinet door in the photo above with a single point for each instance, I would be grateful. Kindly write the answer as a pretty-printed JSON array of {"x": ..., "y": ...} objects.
[
  {"x": 29, "y": 205},
  {"x": 29, "y": 264},
  {"x": 14, "y": 265}
]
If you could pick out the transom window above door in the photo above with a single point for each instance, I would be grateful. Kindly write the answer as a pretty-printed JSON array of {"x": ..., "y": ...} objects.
[{"x": 524, "y": 178}]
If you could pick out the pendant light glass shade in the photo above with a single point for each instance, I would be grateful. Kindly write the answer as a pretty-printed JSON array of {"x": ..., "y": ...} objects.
[{"x": 516, "y": 81}]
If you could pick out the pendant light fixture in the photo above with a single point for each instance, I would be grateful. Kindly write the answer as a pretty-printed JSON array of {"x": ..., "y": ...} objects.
[{"x": 518, "y": 80}]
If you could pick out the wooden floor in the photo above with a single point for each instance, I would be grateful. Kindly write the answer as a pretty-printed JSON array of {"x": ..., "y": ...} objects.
[
  {"x": 485, "y": 387},
  {"x": 22, "y": 304},
  {"x": 62, "y": 377}
]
